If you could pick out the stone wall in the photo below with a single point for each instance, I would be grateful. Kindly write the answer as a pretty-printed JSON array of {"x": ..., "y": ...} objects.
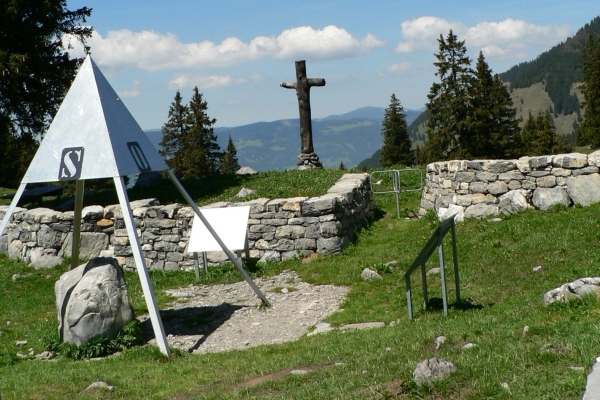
[
  {"x": 489, "y": 187},
  {"x": 278, "y": 229}
]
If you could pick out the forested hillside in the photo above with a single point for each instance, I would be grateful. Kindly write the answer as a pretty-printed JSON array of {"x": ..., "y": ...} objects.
[{"x": 557, "y": 69}]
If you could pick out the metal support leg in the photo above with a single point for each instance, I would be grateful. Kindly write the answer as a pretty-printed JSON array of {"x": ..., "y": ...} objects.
[
  {"x": 157, "y": 325},
  {"x": 75, "y": 243},
  {"x": 232, "y": 258},
  {"x": 443, "y": 275},
  {"x": 424, "y": 278},
  {"x": 196, "y": 266},
  {"x": 409, "y": 297},
  {"x": 11, "y": 208},
  {"x": 455, "y": 259},
  {"x": 205, "y": 262}
]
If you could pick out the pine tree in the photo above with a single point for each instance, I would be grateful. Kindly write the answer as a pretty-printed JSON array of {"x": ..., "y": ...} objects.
[
  {"x": 396, "y": 143},
  {"x": 35, "y": 73},
  {"x": 540, "y": 138},
  {"x": 174, "y": 131},
  {"x": 230, "y": 163},
  {"x": 589, "y": 134},
  {"x": 493, "y": 130},
  {"x": 447, "y": 101},
  {"x": 201, "y": 151},
  {"x": 189, "y": 144}
]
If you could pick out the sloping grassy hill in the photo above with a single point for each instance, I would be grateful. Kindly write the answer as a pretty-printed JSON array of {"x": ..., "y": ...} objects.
[{"x": 523, "y": 349}]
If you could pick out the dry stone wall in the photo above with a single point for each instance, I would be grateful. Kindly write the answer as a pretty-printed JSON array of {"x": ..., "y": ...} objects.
[
  {"x": 278, "y": 229},
  {"x": 481, "y": 188}
]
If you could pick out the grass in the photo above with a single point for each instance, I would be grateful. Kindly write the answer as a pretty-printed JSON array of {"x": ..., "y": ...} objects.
[{"x": 502, "y": 295}]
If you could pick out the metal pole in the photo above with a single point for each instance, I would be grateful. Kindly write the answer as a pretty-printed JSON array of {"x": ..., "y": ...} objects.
[
  {"x": 455, "y": 256},
  {"x": 196, "y": 266},
  {"x": 157, "y": 325},
  {"x": 424, "y": 278},
  {"x": 205, "y": 262},
  {"x": 396, "y": 180},
  {"x": 409, "y": 297},
  {"x": 232, "y": 258},
  {"x": 11, "y": 208},
  {"x": 76, "y": 240},
  {"x": 442, "y": 273}
]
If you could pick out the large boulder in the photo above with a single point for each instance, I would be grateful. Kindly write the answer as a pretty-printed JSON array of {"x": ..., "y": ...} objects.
[
  {"x": 573, "y": 290},
  {"x": 92, "y": 301},
  {"x": 544, "y": 198},
  {"x": 584, "y": 189}
]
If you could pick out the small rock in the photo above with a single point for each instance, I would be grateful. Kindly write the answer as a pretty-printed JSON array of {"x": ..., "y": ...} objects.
[
  {"x": 20, "y": 354},
  {"x": 504, "y": 385},
  {"x": 469, "y": 346},
  {"x": 577, "y": 368},
  {"x": 31, "y": 351},
  {"x": 388, "y": 349},
  {"x": 245, "y": 171},
  {"x": 298, "y": 372},
  {"x": 16, "y": 276},
  {"x": 363, "y": 325},
  {"x": 439, "y": 341},
  {"x": 391, "y": 263},
  {"x": 537, "y": 269},
  {"x": 393, "y": 323},
  {"x": 368, "y": 274},
  {"x": 245, "y": 192},
  {"x": 525, "y": 330},
  {"x": 21, "y": 342},
  {"x": 99, "y": 385},
  {"x": 432, "y": 369},
  {"x": 495, "y": 220},
  {"x": 434, "y": 271},
  {"x": 285, "y": 290},
  {"x": 46, "y": 261},
  {"x": 45, "y": 355}
]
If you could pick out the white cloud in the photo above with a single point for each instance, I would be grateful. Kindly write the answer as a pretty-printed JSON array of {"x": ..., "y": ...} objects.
[
  {"x": 153, "y": 51},
  {"x": 203, "y": 81},
  {"x": 505, "y": 39},
  {"x": 398, "y": 67}
]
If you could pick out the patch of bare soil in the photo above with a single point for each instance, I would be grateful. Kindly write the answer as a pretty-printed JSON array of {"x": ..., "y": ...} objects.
[{"x": 204, "y": 319}]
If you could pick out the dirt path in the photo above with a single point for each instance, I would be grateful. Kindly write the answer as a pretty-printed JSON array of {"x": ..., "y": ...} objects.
[{"x": 206, "y": 319}]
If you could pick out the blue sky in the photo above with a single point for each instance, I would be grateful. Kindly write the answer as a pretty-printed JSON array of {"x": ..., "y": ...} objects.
[{"x": 238, "y": 52}]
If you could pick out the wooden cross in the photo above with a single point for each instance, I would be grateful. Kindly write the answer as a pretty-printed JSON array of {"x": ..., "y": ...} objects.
[{"x": 302, "y": 86}]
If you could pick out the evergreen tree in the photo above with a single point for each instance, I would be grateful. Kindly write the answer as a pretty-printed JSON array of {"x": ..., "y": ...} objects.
[
  {"x": 201, "y": 151},
  {"x": 342, "y": 167},
  {"x": 447, "y": 104},
  {"x": 493, "y": 130},
  {"x": 540, "y": 138},
  {"x": 35, "y": 73},
  {"x": 174, "y": 131},
  {"x": 189, "y": 144},
  {"x": 230, "y": 163},
  {"x": 396, "y": 143},
  {"x": 589, "y": 134}
]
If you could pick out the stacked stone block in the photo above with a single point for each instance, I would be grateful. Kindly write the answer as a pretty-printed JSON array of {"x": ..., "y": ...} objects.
[
  {"x": 481, "y": 188},
  {"x": 278, "y": 229}
]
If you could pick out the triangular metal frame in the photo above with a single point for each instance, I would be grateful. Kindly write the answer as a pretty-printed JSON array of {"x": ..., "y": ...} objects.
[{"x": 93, "y": 117}]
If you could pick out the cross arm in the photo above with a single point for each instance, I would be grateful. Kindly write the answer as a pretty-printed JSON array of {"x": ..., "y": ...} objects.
[
  {"x": 288, "y": 85},
  {"x": 316, "y": 82}
]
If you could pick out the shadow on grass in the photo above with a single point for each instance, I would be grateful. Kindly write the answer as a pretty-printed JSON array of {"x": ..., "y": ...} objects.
[{"x": 437, "y": 304}]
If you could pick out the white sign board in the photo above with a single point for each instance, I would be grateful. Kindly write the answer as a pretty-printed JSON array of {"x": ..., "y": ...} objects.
[{"x": 230, "y": 224}]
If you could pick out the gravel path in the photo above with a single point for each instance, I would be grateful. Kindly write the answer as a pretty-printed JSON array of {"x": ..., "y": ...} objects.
[{"x": 214, "y": 318}]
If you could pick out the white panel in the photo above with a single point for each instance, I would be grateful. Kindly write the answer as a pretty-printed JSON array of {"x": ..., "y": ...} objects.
[{"x": 230, "y": 224}]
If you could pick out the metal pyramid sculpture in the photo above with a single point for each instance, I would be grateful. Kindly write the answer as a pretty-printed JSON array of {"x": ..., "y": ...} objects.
[{"x": 94, "y": 136}]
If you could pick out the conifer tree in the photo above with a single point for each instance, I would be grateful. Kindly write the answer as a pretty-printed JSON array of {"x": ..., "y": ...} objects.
[
  {"x": 201, "y": 151},
  {"x": 540, "y": 138},
  {"x": 492, "y": 128},
  {"x": 589, "y": 134},
  {"x": 447, "y": 101},
  {"x": 230, "y": 162},
  {"x": 396, "y": 143},
  {"x": 189, "y": 144},
  {"x": 174, "y": 131}
]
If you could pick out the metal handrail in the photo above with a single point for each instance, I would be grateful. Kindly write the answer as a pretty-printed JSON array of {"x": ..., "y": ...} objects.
[{"x": 396, "y": 184}]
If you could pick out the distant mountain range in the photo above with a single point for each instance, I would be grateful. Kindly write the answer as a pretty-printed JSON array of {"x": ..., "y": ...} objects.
[{"x": 265, "y": 146}]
